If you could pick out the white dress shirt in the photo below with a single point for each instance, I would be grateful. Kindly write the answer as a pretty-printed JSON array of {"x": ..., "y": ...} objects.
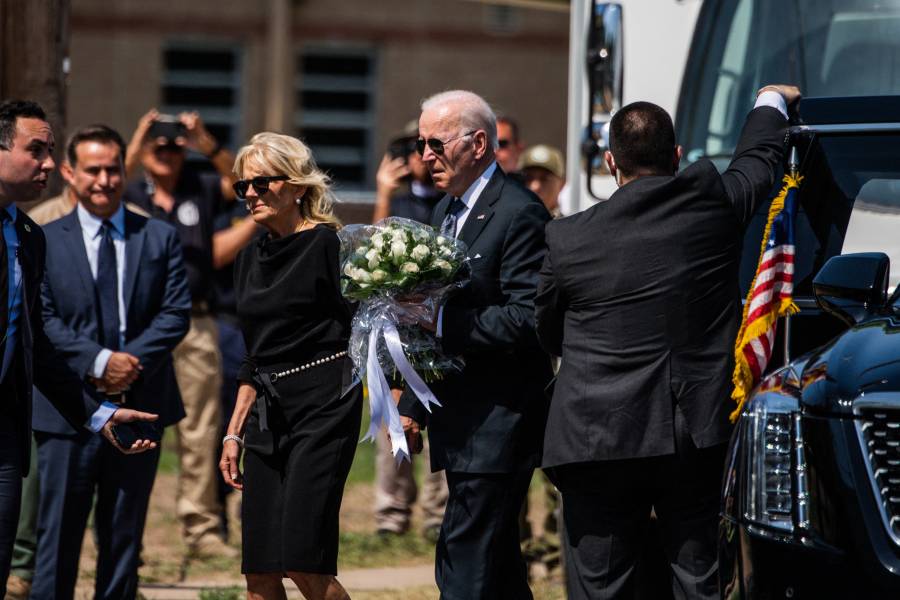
[
  {"x": 469, "y": 198},
  {"x": 90, "y": 230},
  {"x": 773, "y": 99}
]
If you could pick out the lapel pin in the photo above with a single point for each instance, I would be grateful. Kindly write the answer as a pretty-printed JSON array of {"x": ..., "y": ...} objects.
[
  {"x": 27, "y": 227},
  {"x": 480, "y": 217}
]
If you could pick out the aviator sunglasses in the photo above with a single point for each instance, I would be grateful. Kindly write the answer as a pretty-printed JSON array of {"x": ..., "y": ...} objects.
[
  {"x": 259, "y": 183},
  {"x": 436, "y": 145}
]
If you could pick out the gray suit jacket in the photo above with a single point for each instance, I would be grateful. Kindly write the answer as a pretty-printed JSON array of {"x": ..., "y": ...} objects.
[{"x": 639, "y": 296}]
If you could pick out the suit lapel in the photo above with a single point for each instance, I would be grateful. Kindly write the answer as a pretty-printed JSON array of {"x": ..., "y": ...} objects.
[
  {"x": 440, "y": 211},
  {"x": 482, "y": 212},
  {"x": 30, "y": 280},
  {"x": 134, "y": 244},
  {"x": 75, "y": 241}
]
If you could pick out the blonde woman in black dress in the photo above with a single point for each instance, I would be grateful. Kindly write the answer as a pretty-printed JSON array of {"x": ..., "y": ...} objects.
[{"x": 297, "y": 415}]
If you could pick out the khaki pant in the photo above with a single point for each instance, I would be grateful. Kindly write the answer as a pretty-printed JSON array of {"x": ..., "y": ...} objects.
[
  {"x": 395, "y": 491},
  {"x": 198, "y": 368}
]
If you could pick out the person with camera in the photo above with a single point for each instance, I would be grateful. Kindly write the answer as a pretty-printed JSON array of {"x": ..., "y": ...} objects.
[
  {"x": 116, "y": 303},
  {"x": 177, "y": 191},
  {"x": 395, "y": 485}
]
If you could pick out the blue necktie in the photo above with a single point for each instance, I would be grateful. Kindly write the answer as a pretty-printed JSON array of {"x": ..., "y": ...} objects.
[
  {"x": 448, "y": 225},
  {"x": 107, "y": 284}
]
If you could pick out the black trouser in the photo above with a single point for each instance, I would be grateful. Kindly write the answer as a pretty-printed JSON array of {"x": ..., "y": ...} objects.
[
  {"x": 607, "y": 511},
  {"x": 478, "y": 555},
  {"x": 10, "y": 487}
]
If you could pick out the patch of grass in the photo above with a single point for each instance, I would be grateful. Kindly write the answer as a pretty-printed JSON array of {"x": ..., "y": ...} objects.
[
  {"x": 168, "y": 457},
  {"x": 232, "y": 593},
  {"x": 361, "y": 550}
]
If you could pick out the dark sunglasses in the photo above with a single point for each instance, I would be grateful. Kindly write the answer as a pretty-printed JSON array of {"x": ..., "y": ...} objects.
[
  {"x": 259, "y": 183},
  {"x": 503, "y": 143},
  {"x": 436, "y": 145}
]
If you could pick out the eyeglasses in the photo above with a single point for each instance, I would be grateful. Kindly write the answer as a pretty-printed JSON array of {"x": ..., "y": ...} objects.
[
  {"x": 503, "y": 143},
  {"x": 259, "y": 183},
  {"x": 436, "y": 145}
]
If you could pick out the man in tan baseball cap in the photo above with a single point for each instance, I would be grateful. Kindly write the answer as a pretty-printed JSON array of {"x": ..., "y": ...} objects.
[{"x": 544, "y": 171}]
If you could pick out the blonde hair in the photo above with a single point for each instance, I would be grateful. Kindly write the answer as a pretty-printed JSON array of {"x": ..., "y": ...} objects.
[{"x": 286, "y": 155}]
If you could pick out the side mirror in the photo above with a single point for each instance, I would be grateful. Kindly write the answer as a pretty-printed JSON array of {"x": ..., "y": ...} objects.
[
  {"x": 851, "y": 286},
  {"x": 604, "y": 70}
]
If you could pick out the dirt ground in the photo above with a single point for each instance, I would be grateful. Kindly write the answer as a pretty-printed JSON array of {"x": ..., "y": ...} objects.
[{"x": 164, "y": 562}]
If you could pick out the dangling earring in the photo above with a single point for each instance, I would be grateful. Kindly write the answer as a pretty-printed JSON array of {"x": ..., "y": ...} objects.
[{"x": 298, "y": 200}]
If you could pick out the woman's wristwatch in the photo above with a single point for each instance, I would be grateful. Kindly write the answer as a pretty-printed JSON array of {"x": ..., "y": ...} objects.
[{"x": 238, "y": 439}]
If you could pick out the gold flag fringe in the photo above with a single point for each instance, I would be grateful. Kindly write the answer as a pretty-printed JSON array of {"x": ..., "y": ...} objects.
[{"x": 743, "y": 377}]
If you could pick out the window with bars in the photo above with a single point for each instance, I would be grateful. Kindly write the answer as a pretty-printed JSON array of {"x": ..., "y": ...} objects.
[
  {"x": 336, "y": 111},
  {"x": 205, "y": 78}
]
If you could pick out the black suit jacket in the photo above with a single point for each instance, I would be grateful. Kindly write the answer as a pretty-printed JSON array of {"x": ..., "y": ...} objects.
[
  {"x": 639, "y": 296},
  {"x": 493, "y": 412},
  {"x": 157, "y": 306},
  {"x": 36, "y": 362}
]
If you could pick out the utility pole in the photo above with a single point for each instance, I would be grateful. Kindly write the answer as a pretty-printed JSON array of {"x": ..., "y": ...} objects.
[
  {"x": 280, "y": 75},
  {"x": 34, "y": 46}
]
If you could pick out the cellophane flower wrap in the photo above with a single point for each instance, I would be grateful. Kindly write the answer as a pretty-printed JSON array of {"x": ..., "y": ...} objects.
[{"x": 399, "y": 271}]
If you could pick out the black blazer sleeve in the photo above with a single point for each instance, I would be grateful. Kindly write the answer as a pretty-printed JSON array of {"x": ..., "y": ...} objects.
[
  {"x": 750, "y": 176},
  {"x": 549, "y": 306},
  {"x": 52, "y": 375}
]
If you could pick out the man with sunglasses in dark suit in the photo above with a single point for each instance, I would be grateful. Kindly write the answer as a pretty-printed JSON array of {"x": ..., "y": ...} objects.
[
  {"x": 487, "y": 435},
  {"x": 26, "y": 355}
]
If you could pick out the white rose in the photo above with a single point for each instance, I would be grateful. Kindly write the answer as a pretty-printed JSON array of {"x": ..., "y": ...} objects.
[
  {"x": 446, "y": 251},
  {"x": 379, "y": 275},
  {"x": 443, "y": 265},
  {"x": 377, "y": 241},
  {"x": 442, "y": 240},
  {"x": 420, "y": 236},
  {"x": 409, "y": 268},
  {"x": 398, "y": 250},
  {"x": 348, "y": 269},
  {"x": 372, "y": 258},
  {"x": 420, "y": 252},
  {"x": 361, "y": 276}
]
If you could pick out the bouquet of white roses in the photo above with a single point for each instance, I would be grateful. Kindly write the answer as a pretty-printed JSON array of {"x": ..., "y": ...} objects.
[{"x": 400, "y": 271}]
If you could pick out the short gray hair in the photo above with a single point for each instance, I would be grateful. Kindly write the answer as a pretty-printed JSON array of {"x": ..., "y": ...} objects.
[{"x": 474, "y": 111}]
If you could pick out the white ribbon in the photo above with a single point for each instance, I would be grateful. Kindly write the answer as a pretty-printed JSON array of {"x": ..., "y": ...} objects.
[{"x": 382, "y": 408}]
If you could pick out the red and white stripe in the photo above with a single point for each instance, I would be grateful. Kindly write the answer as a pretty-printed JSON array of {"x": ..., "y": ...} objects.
[{"x": 774, "y": 282}]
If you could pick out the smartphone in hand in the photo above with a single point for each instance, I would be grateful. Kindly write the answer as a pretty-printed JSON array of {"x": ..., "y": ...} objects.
[{"x": 126, "y": 434}]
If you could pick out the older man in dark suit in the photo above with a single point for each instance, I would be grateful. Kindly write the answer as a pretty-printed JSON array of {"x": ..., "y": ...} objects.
[
  {"x": 116, "y": 303},
  {"x": 28, "y": 357},
  {"x": 639, "y": 295},
  {"x": 487, "y": 435}
]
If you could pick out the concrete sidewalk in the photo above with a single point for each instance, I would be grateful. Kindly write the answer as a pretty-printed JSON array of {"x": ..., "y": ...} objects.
[{"x": 396, "y": 578}]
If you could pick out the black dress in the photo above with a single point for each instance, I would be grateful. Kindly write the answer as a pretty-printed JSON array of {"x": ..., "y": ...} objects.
[{"x": 302, "y": 431}]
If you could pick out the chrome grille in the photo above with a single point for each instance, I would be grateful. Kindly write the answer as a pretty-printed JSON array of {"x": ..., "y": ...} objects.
[{"x": 879, "y": 431}]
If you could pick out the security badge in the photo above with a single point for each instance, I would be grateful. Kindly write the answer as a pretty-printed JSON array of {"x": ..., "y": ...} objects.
[{"x": 188, "y": 214}]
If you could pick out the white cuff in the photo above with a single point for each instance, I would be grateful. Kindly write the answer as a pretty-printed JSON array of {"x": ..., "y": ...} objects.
[
  {"x": 773, "y": 99},
  {"x": 101, "y": 416},
  {"x": 100, "y": 363},
  {"x": 440, "y": 322}
]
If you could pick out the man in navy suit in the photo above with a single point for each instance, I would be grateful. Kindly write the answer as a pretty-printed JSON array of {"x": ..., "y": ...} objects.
[
  {"x": 26, "y": 355},
  {"x": 116, "y": 303}
]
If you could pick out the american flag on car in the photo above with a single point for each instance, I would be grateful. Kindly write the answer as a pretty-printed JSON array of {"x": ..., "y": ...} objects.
[{"x": 770, "y": 295}]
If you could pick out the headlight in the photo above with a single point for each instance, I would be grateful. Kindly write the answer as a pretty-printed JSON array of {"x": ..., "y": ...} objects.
[{"x": 775, "y": 488}]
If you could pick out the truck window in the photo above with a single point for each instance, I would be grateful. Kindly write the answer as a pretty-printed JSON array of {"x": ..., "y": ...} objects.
[{"x": 827, "y": 47}]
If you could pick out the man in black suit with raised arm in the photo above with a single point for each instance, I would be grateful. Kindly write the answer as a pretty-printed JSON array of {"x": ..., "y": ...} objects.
[
  {"x": 487, "y": 435},
  {"x": 26, "y": 356},
  {"x": 639, "y": 296}
]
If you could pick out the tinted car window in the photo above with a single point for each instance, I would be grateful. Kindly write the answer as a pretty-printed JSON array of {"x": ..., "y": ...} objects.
[{"x": 849, "y": 202}]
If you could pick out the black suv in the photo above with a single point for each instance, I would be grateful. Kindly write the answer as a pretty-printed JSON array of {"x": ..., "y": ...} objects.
[{"x": 811, "y": 494}]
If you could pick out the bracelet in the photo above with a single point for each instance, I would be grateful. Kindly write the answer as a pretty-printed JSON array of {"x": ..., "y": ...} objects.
[{"x": 238, "y": 439}]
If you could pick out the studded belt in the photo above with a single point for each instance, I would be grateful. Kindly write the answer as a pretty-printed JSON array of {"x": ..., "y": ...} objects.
[{"x": 267, "y": 392}]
